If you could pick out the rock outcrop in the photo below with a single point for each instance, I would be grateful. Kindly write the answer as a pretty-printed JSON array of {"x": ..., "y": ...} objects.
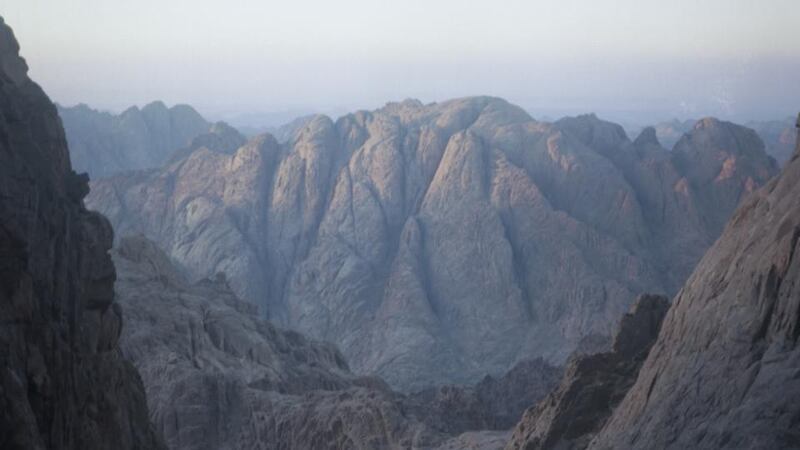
[
  {"x": 103, "y": 144},
  {"x": 593, "y": 385},
  {"x": 440, "y": 243},
  {"x": 63, "y": 381},
  {"x": 723, "y": 372},
  {"x": 219, "y": 377},
  {"x": 443, "y": 242}
]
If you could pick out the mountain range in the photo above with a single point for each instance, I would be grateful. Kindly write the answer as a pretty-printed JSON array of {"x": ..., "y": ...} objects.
[
  {"x": 103, "y": 144},
  {"x": 443, "y": 242},
  {"x": 141, "y": 348},
  {"x": 778, "y": 135}
]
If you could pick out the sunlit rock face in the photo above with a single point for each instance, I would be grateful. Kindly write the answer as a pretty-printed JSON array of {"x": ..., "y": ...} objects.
[
  {"x": 723, "y": 371},
  {"x": 64, "y": 383},
  {"x": 438, "y": 243}
]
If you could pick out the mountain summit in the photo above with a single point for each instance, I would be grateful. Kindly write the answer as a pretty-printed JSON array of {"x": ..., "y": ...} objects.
[{"x": 442, "y": 242}]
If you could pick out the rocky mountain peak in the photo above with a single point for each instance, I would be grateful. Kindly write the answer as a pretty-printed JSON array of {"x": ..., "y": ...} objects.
[
  {"x": 647, "y": 137},
  {"x": 64, "y": 382},
  {"x": 311, "y": 231},
  {"x": 594, "y": 132},
  {"x": 12, "y": 65},
  {"x": 102, "y": 144},
  {"x": 722, "y": 373}
]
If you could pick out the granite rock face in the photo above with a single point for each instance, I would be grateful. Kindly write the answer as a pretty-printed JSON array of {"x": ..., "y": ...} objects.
[
  {"x": 723, "y": 372},
  {"x": 593, "y": 385},
  {"x": 443, "y": 242},
  {"x": 103, "y": 144},
  {"x": 64, "y": 383},
  {"x": 217, "y": 376}
]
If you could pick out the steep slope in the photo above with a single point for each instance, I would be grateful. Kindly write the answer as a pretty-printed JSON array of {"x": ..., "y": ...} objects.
[
  {"x": 64, "y": 383},
  {"x": 219, "y": 377},
  {"x": 103, "y": 144},
  {"x": 723, "y": 372},
  {"x": 593, "y": 385},
  {"x": 443, "y": 242}
]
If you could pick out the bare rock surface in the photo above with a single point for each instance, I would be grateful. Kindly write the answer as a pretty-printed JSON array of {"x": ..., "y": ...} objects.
[
  {"x": 103, "y": 144},
  {"x": 63, "y": 381},
  {"x": 723, "y": 372},
  {"x": 218, "y": 376},
  {"x": 593, "y": 385},
  {"x": 440, "y": 243}
]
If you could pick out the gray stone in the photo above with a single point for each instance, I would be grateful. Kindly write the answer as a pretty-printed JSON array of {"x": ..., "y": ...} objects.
[
  {"x": 723, "y": 371},
  {"x": 440, "y": 243},
  {"x": 63, "y": 381},
  {"x": 593, "y": 385},
  {"x": 217, "y": 376}
]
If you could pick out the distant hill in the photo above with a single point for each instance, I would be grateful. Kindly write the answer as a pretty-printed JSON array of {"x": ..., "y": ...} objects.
[
  {"x": 778, "y": 135},
  {"x": 438, "y": 243},
  {"x": 103, "y": 144}
]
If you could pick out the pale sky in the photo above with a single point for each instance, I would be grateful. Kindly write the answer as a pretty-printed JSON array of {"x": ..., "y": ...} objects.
[{"x": 637, "y": 60}]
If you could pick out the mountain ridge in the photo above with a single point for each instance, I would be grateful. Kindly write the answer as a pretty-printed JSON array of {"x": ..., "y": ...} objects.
[{"x": 368, "y": 231}]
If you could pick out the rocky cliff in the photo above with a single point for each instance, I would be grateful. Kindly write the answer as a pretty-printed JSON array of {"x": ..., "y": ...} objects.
[
  {"x": 438, "y": 243},
  {"x": 64, "y": 383},
  {"x": 103, "y": 144},
  {"x": 723, "y": 372},
  {"x": 593, "y": 385},
  {"x": 219, "y": 377}
]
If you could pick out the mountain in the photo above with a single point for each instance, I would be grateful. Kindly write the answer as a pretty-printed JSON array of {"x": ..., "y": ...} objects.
[
  {"x": 779, "y": 137},
  {"x": 723, "y": 371},
  {"x": 593, "y": 385},
  {"x": 443, "y": 242},
  {"x": 103, "y": 144},
  {"x": 64, "y": 382},
  {"x": 217, "y": 376}
]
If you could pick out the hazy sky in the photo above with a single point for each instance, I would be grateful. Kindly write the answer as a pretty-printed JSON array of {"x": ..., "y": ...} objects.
[{"x": 622, "y": 59}]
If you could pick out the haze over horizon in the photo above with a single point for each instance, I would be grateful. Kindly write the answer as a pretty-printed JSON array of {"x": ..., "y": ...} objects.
[{"x": 637, "y": 62}]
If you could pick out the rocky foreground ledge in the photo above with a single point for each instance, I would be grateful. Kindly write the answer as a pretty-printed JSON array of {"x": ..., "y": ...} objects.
[{"x": 63, "y": 381}]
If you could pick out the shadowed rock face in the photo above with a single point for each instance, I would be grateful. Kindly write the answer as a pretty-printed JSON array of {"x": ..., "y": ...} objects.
[
  {"x": 724, "y": 370},
  {"x": 103, "y": 144},
  {"x": 63, "y": 381},
  {"x": 438, "y": 243},
  {"x": 219, "y": 377},
  {"x": 593, "y": 385}
]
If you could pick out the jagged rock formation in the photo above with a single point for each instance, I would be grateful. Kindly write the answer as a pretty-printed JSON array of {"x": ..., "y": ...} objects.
[
  {"x": 593, "y": 385},
  {"x": 64, "y": 383},
  {"x": 103, "y": 144},
  {"x": 491, "y": 404},
  {"x": 778, "y": 135},
  {"x": 217, "y": 376},
  {"x": 670, "y": 132},
  {"x": 438, "y": 243},
  {"x": 723, "y": 372}
]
